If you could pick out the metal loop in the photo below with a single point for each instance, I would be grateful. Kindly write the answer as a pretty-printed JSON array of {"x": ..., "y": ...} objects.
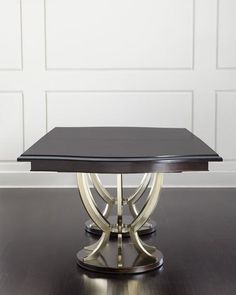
[
  {"x": 141, "y": 189},
  {"x": 89, "y": 203},
  {"x": 138, "y": 194},
  {"x": 103, "y": 193},
  {"x": 150, "y": 204}
]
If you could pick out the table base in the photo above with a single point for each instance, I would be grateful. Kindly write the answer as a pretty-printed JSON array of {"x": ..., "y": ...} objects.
[
  {"x": 148, "y": 228},
  {"x": 132, "y": 261},
  {"x": 120, "y": 255}
]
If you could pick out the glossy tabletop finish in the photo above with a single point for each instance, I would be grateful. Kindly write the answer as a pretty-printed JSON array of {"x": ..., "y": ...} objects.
[{"x": 119, "y": 150}]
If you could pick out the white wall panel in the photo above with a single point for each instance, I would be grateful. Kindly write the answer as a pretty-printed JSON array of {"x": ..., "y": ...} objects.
[
  {"x": 227, "y": 34},
  {"x": 10, "y": 35},
  {"x": 119, "y": 34},
  {"x": 226, "y": 124},
  {"x": 11, "y": 125},
  {"x": 163, "y": 109}
]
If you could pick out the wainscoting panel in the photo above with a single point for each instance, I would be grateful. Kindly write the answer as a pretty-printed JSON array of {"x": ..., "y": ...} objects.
[
  {"x": 10, "y": 35},
  {"x": 11, "y": 125},
  {"x": 226, "y": 124},
  {"x": 164, "y": 109},
  {"x": 226, "y": 34},
  {"x": 119, "y": 34}
]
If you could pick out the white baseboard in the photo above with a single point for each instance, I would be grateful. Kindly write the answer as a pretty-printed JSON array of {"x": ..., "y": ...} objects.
[{"x": 51, "y": 179}]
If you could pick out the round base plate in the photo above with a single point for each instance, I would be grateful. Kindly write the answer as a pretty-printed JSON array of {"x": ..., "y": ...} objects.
[
  {"x": 146, "y": 229},
  {"x": 132, "y": 262}
]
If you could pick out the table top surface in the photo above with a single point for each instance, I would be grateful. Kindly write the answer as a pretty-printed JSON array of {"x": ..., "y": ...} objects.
[{"x": 120, "y": 144}]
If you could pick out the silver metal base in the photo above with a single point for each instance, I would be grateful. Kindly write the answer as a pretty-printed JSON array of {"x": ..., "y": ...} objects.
[
  {"x": 133, "y": 262},
  {"x": 120, "y": 256},
  {"x": 148, "y": 228}
]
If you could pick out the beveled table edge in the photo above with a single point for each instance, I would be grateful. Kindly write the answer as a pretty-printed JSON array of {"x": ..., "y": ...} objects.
[{"x": 174, "y": 158}]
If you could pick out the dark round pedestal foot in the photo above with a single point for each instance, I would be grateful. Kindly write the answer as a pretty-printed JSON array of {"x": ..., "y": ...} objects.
[
  {"x": 132, "y": 262},
  {"x": 148, "y": 228}
]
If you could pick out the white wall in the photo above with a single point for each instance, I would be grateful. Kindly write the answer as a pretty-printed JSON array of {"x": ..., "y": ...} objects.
[{"x": 127, "y": 62}]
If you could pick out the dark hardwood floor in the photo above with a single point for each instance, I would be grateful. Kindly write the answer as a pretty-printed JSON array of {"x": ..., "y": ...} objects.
[{"x": 42, "y": 229}]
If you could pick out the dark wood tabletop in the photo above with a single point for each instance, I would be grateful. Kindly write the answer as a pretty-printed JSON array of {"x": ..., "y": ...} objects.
[{"x": 119, "y": 150}]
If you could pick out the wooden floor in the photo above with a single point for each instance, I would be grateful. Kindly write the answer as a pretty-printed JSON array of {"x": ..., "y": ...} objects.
[{"x": 42, "y": 229}]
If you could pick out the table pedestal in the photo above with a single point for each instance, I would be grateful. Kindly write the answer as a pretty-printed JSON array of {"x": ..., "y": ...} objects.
[
  {"x": 120, "y": 256},
  {"x": 148, "y": 228}
]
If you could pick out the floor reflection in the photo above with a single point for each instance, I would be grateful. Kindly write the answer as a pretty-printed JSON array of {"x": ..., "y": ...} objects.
[{"x": 98, "y": 284}]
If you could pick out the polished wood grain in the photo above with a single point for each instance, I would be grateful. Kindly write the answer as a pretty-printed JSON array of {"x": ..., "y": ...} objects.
[
  {"x": 119, "y": 150},
  {"x": 42, "y": 229}
]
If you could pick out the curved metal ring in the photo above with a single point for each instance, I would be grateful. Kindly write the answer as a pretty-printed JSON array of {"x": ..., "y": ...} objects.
[
  {"x": 141, "y": 189},
  {"x": 138, "y": 194},
  {"x": 145, "y": 213},
  {"x": 103, "y": 192},
  {"x": 95, "y": 214}
]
